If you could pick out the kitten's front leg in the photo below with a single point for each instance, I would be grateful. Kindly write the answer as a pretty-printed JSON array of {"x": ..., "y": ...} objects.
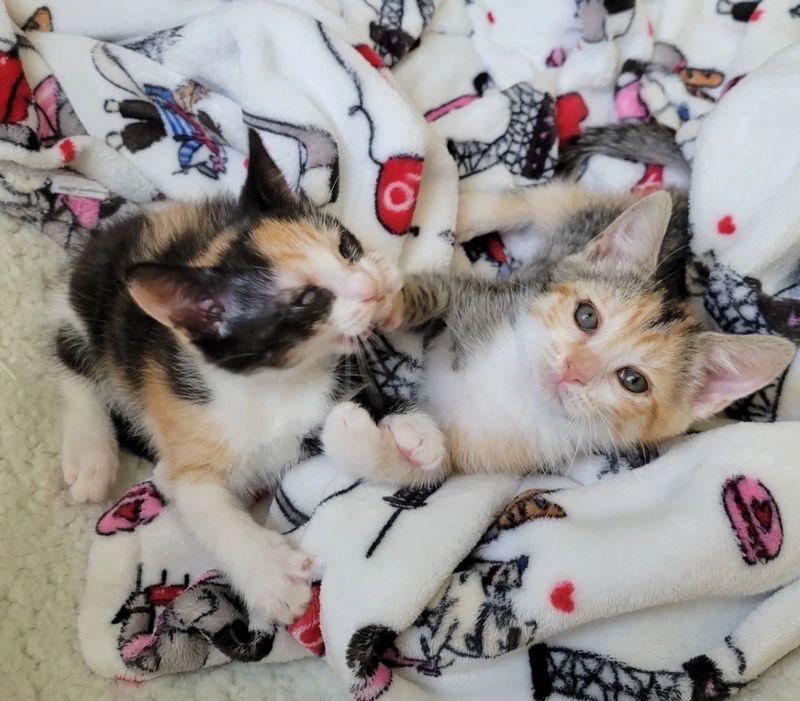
[
  {"x": 270, "y": 574},
  {"x": 89, "y": 449},
  {"x": 401, "y": 449}
]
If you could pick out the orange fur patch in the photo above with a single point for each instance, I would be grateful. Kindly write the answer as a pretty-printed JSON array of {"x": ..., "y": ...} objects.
[{"x": 185, "y": 436}]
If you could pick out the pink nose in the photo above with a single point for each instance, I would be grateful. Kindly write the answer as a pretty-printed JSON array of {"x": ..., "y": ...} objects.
[
  {"x": 579, "y": 368},
  {"x": 361, "y": 286}
]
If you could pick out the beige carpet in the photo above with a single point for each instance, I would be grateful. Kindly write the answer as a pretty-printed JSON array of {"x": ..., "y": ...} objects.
[{"x": 44, "y": 538}]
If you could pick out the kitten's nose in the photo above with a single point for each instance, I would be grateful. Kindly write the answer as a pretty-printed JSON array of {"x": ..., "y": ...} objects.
[
  {"x": 579, "y": 368},
  {"x": 362, "y": 287}
]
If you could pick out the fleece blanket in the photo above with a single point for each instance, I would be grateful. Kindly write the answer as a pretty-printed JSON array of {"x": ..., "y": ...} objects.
[{"x": 637, "y": 576}]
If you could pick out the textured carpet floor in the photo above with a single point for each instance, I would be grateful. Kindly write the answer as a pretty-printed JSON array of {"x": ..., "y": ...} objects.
[{"x": 44, "y": 538}]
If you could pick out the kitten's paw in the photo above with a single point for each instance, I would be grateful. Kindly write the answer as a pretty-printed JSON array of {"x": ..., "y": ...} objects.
[
  {"x": 90, "y": 467},
  {"x": 418, "y": 439},
  {"x": 390, "y": 283},
  {"x": 351, "y": 438},
  {"x": 284, "y": 591}
]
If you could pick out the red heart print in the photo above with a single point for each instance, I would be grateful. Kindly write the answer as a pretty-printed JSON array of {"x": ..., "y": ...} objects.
[
  {"x": 726, "y": 225},
  {"x": 762, "y": 510},
  {"x": 561, "y": 596},
  {"x": 129, "y": 511}
]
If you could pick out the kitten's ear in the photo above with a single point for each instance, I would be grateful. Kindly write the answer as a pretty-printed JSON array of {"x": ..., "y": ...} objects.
[
  {"x": 734, "y": 366},
  {"x": 635, "y": 236},
  {"x": 184, "y": 298},
  {"x": 265, "y": 188}
]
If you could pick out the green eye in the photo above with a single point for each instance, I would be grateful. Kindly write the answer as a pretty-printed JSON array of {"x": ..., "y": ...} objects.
[
  {"x": 632, "y": 380},
  {"x": 586, "y": 317}
]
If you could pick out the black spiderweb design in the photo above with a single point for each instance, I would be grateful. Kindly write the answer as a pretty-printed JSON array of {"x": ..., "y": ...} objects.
[
  {"x": 525, "y": 148},
  {"x": 735, "y": 304},
  {"x": 577, "y": 674},
  {"x": 394, "y": 374}
]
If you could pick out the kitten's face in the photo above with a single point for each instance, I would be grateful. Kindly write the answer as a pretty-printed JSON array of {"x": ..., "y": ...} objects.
[
  {"x": 623, "y": 362},
  {"x": 617, "y": 359},
  {"x": 265, "y": 283}
]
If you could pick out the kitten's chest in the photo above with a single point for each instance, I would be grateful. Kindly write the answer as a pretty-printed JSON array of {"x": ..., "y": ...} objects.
[
  {"x": 474, "y": 390},
  {"x": 492, "y": 404},
  {"x": 264, "y": 420}
]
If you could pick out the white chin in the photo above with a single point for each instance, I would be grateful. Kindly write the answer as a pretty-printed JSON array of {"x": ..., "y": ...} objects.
[{"x": 345, "y": 343}]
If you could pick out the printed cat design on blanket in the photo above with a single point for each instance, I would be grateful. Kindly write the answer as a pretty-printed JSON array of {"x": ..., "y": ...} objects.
[
  {"x": 524, "y": 508},
  {"x": 739, "y": 11},
  {"x": 54, "y": 113},
  {"x": 495, "y": 629},
  {"x": 603, "y": 20},
  {"x": 156, "y": 112},
  {"x": 399, "y": 176},
  {"x": 141, "y": 505},
  {"x": 317, "y": 147},
  {"x": 641, "y": 94},
  {"x": 35, "y": 197},
  {"x": 41, "y": 21},
  {"x": 491, "y": 250},
  {"x": 481, "y": 82},
  {"x": 172, "y": 627},
  {"x": 364, "y": 658},
  {"x": 387, "y": 32},
  {"x": 156, "y": 44},
  {"x": 444, "y": 638},
  {"x": 755, "y": 518},
  {"x": 525, "y": 148}
]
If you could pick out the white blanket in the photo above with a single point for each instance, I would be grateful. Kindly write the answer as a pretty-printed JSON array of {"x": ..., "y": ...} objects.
[{"x": 674, "y": 581}]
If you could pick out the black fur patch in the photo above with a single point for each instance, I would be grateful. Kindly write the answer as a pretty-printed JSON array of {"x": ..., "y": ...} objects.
[
  {"x": 130, "y": 439},
  {"x": 74, "y": 352}
]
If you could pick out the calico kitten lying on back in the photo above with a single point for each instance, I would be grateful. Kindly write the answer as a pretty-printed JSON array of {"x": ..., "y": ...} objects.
[
  {"x": 590, "y": 348},
  {"x": 214, "y": 330}
]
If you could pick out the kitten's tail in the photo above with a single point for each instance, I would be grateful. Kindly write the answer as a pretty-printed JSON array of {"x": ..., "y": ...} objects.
[{"x": 646, "y": 143}]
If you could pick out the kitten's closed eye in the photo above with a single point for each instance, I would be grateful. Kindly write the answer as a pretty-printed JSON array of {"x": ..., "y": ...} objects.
[
  {"x": 310, "y": 301},
  {"x": 586, "y": 317}
]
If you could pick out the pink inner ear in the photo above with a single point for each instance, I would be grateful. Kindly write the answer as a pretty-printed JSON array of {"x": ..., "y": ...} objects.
[{"x": 728, "y": 383}]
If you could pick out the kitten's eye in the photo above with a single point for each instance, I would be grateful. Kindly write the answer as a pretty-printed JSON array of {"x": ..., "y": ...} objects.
[
  {"x": 586, "y": 317},
  {"x": 632, "y": 380},
  {"x": 349, "y": 247}
]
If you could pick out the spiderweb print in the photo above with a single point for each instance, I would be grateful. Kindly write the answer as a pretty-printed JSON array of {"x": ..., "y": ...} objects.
[
  {"x": 577, "y": 674},
  {"x": 395, "y": 374},
  {"x": 732, "y": 302},
  {"x": 525, "y": 148}
]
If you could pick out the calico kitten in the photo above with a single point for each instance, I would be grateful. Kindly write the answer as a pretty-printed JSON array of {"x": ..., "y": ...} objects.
[
  {"x": 214, "y": 329},
  {"x": 588, "y": 350}
]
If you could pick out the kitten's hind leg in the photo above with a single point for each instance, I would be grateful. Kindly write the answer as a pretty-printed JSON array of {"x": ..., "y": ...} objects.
[
  {"x": 401, "y": 449},
  {"x": 89, "y": 450}
]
